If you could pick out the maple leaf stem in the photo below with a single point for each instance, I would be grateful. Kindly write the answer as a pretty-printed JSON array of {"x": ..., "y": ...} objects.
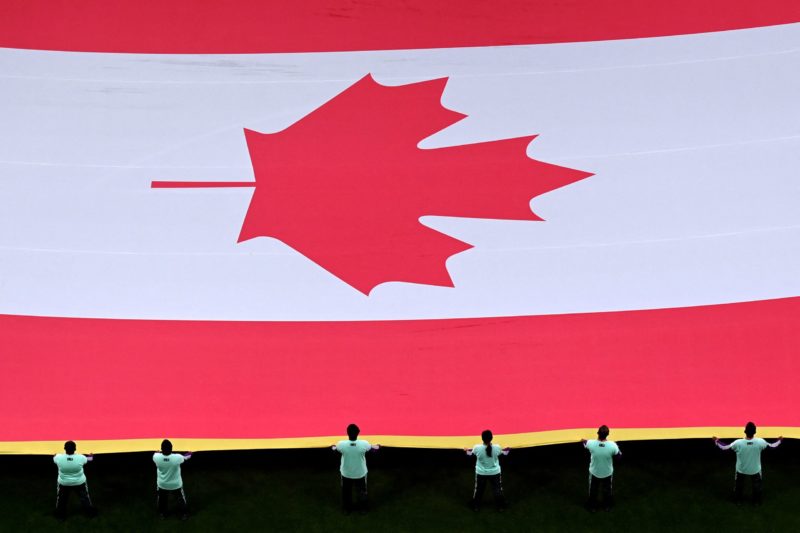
[{"x": 200, "y": 184}]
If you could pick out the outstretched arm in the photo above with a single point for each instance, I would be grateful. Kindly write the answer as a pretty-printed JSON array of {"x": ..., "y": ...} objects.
[
  {"x": 776, "y": 443},
  {"x": 721, "y": 445}
]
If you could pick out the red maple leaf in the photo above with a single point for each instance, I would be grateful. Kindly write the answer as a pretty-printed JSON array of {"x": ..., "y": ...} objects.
[{"x": 347, "y": 184}]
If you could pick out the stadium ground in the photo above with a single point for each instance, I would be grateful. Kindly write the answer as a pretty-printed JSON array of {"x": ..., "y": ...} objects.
[{"x": 660, "y": 486}]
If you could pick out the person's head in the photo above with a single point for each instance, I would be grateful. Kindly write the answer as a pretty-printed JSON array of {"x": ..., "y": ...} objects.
[
  {"x": 602, "y": 432},
  {"x": 166, "y": 447},
  {"x": 352, "y": 432},
  {"x": 486, "y": 437},
  {"x": 70, "y": 447},
  {"x": 750, "y": 430}
]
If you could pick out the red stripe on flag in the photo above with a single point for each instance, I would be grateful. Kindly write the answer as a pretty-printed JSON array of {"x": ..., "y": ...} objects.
[
  {"x": 113, "y": 379},
  {"x": 250, "y": 26}
]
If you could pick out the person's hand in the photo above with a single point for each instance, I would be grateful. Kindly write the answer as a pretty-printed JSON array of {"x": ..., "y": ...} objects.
[
  {"x": 506, "y": 449},
  {"x": 187, "y": 455},
  {"x": 466, "y": 450},
  {"x": 584, "y": 441},
  {"x": 333, "y": 447},
  {"x": 780, "y": 438},
  {"x": 376, "y": 447},
  {"x": 715, "y": 439}
]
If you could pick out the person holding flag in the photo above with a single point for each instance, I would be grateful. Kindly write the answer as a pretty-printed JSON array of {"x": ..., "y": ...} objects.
[
  {"x": 601, "y": 468},
  {"x": 487, "y": 470},
  {"x": 72, "y": 479},
  {"x": 748, "y": 461},
  {"x": 168, "y": 479},
  {"x": 353, "y": 468}
]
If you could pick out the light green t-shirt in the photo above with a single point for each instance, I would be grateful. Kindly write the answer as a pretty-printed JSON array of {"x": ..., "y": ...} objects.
[
  {"x": 485, "y": 464},
  {"x": 748, "y": 455},
  {"x": 354, "y": 461},
  {"x": 601, "y": 464},
  {"x": 168, "y": 470},
  {"x": 70, "y": 469}
]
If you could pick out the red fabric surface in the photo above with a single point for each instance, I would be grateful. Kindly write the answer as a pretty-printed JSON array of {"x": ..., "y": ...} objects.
[
  {"x": 113, "y": 379},
  {"x": 249, "y": 26}
]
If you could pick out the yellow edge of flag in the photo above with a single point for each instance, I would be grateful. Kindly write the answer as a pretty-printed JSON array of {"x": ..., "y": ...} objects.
[{"x": 515, "y": 440}]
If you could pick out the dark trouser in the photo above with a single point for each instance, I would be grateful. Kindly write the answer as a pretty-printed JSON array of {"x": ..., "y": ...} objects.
[
  {"x": 480, "y": 486},
  {"x": 360, "y": 485},
  {"x": 163, "y": 496},
  {"x": 62, "y": 495},
  {"x": 596, "y": 484},
  {"x": 738, "y": 487}
]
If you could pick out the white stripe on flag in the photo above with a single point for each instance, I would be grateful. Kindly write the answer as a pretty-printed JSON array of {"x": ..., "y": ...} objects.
[{"x": 694, "y": 142}]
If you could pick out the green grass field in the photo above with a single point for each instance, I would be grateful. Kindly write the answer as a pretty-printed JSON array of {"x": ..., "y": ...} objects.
[{"x": 660, "y": 486}]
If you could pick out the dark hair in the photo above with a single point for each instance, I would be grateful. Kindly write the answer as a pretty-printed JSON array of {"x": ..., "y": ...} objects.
[
  {"x": 166, "y": 447},
  {"x": 750, "y": 429},
  {"x": 69, "y": 447},
  {"x": 602, "y": 431},
  {"x": 486, "y": 437},
  {"x": 352, "y": 432}
]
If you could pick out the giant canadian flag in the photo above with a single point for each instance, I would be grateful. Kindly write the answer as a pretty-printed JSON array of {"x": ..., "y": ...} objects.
[{"x": 247, "y": 224}]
